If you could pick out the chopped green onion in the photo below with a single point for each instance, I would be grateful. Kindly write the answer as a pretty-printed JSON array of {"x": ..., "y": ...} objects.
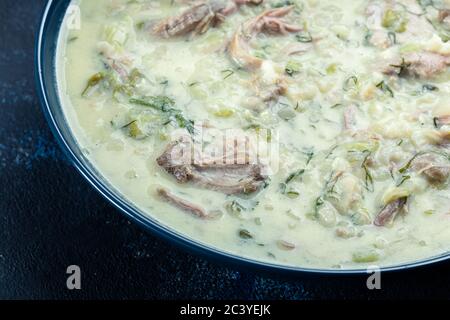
[{"x": 385, "y": 88}]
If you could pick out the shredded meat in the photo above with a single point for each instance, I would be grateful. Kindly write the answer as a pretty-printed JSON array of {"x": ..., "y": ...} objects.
[
  {"x": 445, "y": 138},
  {"x": 390, "y": 211},
  {"x": 182, "y": 160},
  {"x": 268, "y": 92},
  {"x": 199, "y": 18},
  {"x": 434, "y": 172},
  {"x": 182, "y": 204},
  {"x": 437, "y": 174},
  {"x": 444, "y": 16},
  {"x": 442, "y": 121},
  {"x": 268, "y": 22},
  {"x": 422, "y": 65}
]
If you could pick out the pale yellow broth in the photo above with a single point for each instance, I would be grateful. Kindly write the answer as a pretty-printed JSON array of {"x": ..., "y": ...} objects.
[{"x": 301, "y": 222}]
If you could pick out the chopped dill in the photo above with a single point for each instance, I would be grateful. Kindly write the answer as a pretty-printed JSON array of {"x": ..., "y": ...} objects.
[
  {"x": 402, "y": 68},
  {"x": 385, "y": 88},
  {"x": 228, "y": 73}
]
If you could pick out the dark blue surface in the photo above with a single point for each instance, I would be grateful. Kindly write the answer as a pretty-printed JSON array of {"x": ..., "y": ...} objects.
[{"x": 51, "y": 218}]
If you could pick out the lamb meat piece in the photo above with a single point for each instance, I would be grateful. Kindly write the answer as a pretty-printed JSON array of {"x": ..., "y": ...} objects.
[
  {"x": 434, "y": 172},
  {"x": 444, "y": 17},
  {"x": 423, "y": 65},
  {"x": 437, "y": 175},
  {"x": 390, "y": 211},
  {"x": 196, "y": 19},
  {"x": 182, "y": 204},
  {"x": 442, "y": 121},
  {"x": 270, "y": 21},
  {"x": 188, "y": 164},
  {"x": 200, "y": 17}
]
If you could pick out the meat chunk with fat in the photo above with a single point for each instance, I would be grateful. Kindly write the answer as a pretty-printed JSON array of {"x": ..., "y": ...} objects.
[
  {"x": 199, "y": 18},
  {"x": 271, "y": 22},
  {"x": 431, "y": 169},
  {"x": 185, "y": 205},
  {"x": 231, "y": 173},
  {"x": 419, "y": 64},
  {"x": 180, "y": 203},
  {"x": 390, "y": 211}
]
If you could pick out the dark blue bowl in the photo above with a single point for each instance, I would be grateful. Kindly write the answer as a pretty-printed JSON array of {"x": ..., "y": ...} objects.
[{"x": 46, "y": 84}]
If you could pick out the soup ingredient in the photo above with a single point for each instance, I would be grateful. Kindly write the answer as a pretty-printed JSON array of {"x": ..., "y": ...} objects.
[
  {"x": 390, "y": 211},
  {"x": 423, "y": 65},
  {"x": 270, "y": 22},
  {"x": 186, "y": 163},
  {"x": 435, "y": 172},
  {"x": 310, "y": 133},
  {"x": 199, "y": 18},
  {"x": 182, "y": 204}
]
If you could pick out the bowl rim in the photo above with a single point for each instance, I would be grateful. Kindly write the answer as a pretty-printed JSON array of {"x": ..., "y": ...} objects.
[{"x": 150, "y": 224}]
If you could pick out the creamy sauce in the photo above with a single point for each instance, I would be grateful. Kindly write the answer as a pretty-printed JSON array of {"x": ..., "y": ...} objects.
[{"x": 353, "y": 100}]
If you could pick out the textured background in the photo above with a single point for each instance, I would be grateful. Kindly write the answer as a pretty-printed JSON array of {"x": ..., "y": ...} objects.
[{"x": 51, "y": 218}]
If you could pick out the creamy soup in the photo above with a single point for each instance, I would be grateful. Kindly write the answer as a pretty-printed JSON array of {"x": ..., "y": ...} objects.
[{"x": 309, "y": 133}]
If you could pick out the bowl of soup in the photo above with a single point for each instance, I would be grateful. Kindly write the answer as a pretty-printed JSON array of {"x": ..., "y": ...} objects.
[{"x": 293, "y": 135}]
